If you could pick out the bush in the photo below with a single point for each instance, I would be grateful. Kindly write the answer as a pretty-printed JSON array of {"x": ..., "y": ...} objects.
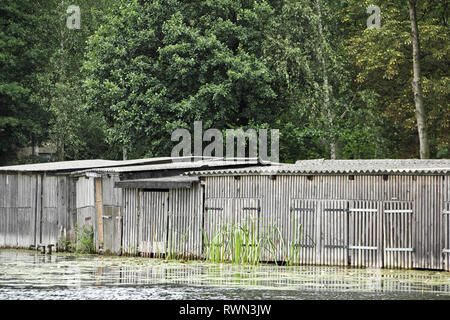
[{"x": 85, "y": 239}]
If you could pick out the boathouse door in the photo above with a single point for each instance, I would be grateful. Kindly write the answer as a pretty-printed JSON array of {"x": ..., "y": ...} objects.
[
  {"x": 333, "y": 222},
  {"x": 446, "y": 235},
  {"x": 302, "y": 232},
  {"x": 398, "y": 234},
  {"x": 152, "y": 225},
  {"x": 112, "y": 229},
  {"x": 318, "y": 232},
  {"x": 365, "y": 233},
  {"x": 223, "y": 215}
]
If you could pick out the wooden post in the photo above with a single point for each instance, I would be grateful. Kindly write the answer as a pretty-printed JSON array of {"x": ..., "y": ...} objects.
[{"x": 99, "y": 204}]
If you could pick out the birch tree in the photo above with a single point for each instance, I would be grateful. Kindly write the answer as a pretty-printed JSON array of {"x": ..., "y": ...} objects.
[{"x": 417, "y": 84}]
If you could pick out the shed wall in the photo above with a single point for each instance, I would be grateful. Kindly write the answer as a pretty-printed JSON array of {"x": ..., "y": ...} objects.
[
  {"x": 34, "y": 209},
  {"x": 350, "y": 214}
]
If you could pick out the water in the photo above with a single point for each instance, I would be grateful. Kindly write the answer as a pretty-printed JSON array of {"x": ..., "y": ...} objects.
[{"x": 31, "y": 275}]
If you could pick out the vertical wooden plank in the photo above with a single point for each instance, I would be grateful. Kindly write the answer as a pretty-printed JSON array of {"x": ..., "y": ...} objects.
[
  {"x": 305, "y": 212},
  {"x": 3, "y": 226},
  {"x": 99, "y": 211},
  {"x": 333, "y": 240}
]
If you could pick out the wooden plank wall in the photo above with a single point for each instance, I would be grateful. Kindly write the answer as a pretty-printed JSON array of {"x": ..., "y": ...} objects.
[
  {"x": 185, "y": 224},
  {"x": 85, "y": 205},
  {"x": 34, "y": 209},
  {"x": 404, "y": 217},
  {"x": 445, "y": 214},
  {"x": 112, "y": 218},
  {"x": 153, "y": 223},
  {"x": 130, "y": 220},
  {"x": 371, "y": 221},
  {"x": 365, "y": 233},
  {"x": 17, "y": 210},
  {"x": 179, "y": 211}
]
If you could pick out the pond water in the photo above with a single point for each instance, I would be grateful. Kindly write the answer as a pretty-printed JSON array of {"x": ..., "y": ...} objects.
[{"x": 31, "y": 275}]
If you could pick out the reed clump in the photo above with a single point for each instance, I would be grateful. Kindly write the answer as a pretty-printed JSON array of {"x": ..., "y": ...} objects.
[{"x": 242, "y": 244}]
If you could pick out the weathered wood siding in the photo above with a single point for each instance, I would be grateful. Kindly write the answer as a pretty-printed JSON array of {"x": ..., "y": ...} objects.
[
  {"x": 112, "y": 219},
  {"x": 34, "y": 209},
  {"x": 185, "y": 222},
  {"x": 445, "y": 216},
  {"x": 130, "y": 220},
  {"x": 163, "y": 222},
  {"x": 392, "y": 221},
  {"x": 85, "y": 205},
  {"x": 153, "y": 222},
  {"x": 108, "y": 235}
]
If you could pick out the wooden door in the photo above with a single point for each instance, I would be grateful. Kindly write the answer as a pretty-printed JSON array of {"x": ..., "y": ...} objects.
[
  {"x": 398, "y": 234},
  {"x": 153, "y": 222},
  {"x": 446, "y": 235},
  {"x": 365, "y": 234},
  {"x": 333, "y": 221},
  {"x": 302, "y": 234}
]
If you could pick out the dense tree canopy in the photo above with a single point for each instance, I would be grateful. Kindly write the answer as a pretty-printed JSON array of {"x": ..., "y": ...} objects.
[{"x": 137, "y": 70}]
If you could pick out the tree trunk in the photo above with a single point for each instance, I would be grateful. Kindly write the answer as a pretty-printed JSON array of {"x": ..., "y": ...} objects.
[
  {"x": 60, "y": 150},
  {"x": 124, "y": 153},
  {"x": 326, "y": 87},
  {"x": 417, "y": 84}
]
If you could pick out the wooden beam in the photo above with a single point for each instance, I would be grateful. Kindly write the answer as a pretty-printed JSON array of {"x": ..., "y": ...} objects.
[{"x": 99, "y": 205}]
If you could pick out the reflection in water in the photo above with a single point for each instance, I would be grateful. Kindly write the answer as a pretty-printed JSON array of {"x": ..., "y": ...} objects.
[{"x": 26, "y": 274}]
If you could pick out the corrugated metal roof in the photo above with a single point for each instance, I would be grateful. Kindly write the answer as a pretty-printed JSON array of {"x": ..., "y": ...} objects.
[
  {"x": 89, "y": 164},
  {"x": 322, "y": 166},
  {"x": 186, "y": 165}
]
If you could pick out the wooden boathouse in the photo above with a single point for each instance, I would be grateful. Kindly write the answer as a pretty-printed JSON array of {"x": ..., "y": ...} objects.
[
  {"x": 38, "y": 201},
  {"x": 40, "y": 204},
  {"x": 363, "y": 213}
]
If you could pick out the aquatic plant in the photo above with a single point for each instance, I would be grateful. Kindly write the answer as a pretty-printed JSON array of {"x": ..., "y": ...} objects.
[
  {"x": 64, "y": 244},
  {"x": 84, "y": 239},
  {"x": 243, "y": 244},
  {"x": 176, "y": 251}
]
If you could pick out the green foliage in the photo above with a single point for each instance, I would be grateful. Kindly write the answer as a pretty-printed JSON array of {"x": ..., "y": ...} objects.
[
  {"x": 137, "y": 70},
  {"x": 160, "y": 65},
  {"x": 22, "y": 53},
  {"x": 382, "y": 66},
  {"x": 243, "y": 244},
  {"x": 84, "y": 239}
]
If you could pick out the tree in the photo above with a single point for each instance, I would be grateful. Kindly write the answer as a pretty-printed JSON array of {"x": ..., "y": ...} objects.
[
  {"x": 417, "y": 84},
  {"x": 382, "y": 68},
  {"x": 60, "y": 82},
  {"x": 161, "y": 65},
  {"x": 22, "y": 55}
]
